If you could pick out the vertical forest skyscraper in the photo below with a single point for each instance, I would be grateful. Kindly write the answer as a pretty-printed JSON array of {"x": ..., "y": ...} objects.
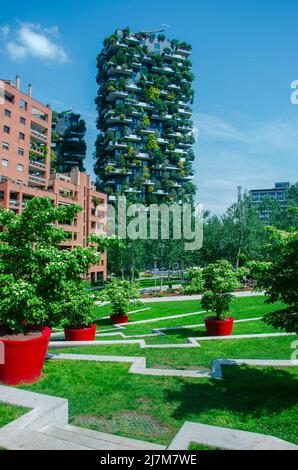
[
  {"x": 144, "y": 148},
  {"x": 68, "y": 141}
]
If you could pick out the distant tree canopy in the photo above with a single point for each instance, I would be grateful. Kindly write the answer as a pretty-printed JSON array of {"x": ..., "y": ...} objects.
[
  {"x": 239, "y": 236},
  {"x": 278, "y": 277}
]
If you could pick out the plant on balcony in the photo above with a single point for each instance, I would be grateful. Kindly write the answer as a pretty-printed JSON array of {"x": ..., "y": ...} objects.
[
  {"x": 170, "y": 96},
  {"x": 146, "y": 120},
  {"x": 109, "y": 168},
  {"x": 111, "y": 87},
  {"x": 175, "y": 43},
  {"x": 131, "y": 152},
  {"x": 138, "y": 181},
  {"x": 146, "y": 172},
  {"x": 110, "y": 40},
  {"x": 160, "y": 106},
  {"x": 151, "y": 94},
  {"x": 122, "y": 84},
  {"x": 152, "y": 143}
]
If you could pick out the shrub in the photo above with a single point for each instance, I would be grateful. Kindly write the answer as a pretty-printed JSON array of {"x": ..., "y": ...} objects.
[
  {"x": 121, "y": 295},
  {"x": 217, "y": 282},
  {"x": 279, "y": 278},
  {"x": 39, "y": 282}
]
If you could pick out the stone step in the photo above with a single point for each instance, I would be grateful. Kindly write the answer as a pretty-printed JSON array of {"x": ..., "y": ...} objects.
[
  {"x": 89, "y": 439},
  {"x": 27, "y": 439}
]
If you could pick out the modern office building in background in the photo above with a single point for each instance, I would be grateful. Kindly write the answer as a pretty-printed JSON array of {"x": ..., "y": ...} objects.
[
  {"x": 144, "y": 149},
  {"x": 25, "y": 140},
  {"x": 265, "y": 199}
]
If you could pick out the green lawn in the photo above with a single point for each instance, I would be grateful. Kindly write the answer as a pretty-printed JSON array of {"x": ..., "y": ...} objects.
[
  {"x": 242, "y": 307},
  {"x": 253, "y": 348},
  {"x": 9, "y": 413},
  {"x": 103, "y": 396},
  {"x": 143, "y": 283},
  {"x": 195, "y": 446},
  {"x": 245, "y": 307}
]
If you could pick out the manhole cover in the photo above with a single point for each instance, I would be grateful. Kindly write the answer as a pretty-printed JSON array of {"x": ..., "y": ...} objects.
[{"x": 125, "y": 423}]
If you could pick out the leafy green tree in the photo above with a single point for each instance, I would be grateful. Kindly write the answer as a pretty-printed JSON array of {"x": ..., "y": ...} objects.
[
  {"x": 279, "y": 277},
  {"x": 121, "y": 294},
  {"x": 216, "y": 281},
  {"x": 39, "y": 282},
  {"x": 196, "y": 285},
  {"x": 243, "y": 234},
  {"x": 212, "y": 248}
]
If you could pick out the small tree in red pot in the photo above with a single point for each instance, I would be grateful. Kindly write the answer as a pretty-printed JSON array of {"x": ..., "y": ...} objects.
[
  {"x": 39, "y": 284},
  {"x": 121, "y": 295},
  {"x": 33, "y": 275},
  {"x": 216, "y": 282},
  {"x": 220, "y": 280}
]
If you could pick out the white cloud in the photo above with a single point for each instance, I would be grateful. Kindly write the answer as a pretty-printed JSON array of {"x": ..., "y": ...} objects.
[
  {"x": 34, "y": 41},
  {"x": 209, "y": 126},
  {"x": 16, "y": 51},
  {"x": 4, "y": 30},
  {"x": 253, "y": 155}
]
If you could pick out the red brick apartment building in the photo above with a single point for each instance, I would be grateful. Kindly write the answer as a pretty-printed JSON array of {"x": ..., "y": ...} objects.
[{"x": 25, "y": 150}]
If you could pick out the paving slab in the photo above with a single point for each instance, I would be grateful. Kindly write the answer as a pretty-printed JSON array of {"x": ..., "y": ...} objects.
[{"x": 225, "y": 438}]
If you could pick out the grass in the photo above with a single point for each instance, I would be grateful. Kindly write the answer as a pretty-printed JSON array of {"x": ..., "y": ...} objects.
[
  {"x": 142, "y": 283},
  {"x": 105, "y": 397},
  {"x": 244, "y": 305},
  {"x": 242, "y": 308},
  {"x": 196, "y": 446},
  {"x": 9, "y": 413},
  {"x": 254, "y": 399},
  {"x": 253, "y": 348}
]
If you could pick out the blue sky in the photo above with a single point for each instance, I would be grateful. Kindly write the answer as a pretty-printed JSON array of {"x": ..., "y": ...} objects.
[{"x": 244, "y": 57}]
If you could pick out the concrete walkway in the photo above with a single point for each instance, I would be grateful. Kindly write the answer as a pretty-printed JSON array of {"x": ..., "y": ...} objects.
[
  {"x": 46, "y": 426},
  {"x": 225, "y": 438},
  {"x": 177, "y": 298},
  {"x": 197, "y": 297}
]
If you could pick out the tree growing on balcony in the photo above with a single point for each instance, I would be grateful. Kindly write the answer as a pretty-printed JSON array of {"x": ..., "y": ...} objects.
[{"x": 69, "y": 138}]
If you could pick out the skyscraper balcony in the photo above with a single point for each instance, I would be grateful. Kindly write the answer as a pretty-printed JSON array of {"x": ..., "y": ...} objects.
[
  {"x": 116, "y": 145},
  {"x": 117, "y": 69},
  {"x": 132, "y": 137},
  {"x": 116, "y": 94}
]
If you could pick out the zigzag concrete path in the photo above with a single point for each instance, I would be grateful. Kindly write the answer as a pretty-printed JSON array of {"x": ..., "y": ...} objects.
[
  {"x": 176, "y": 298},
  {"x": 46, "y": 425}
]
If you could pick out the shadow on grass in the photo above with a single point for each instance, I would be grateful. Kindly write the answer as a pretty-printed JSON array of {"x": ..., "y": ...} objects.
[
  {"x": 185, "y": 332},
  {"x": 103, "y": 322},
  {"x": 244, "y": 390}
]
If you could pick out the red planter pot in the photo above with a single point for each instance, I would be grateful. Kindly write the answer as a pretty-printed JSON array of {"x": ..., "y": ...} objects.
[
  {"x": 116, "y": 318},
  {"x": 217, "y": 327},
  {"x": 83, "y": 334},
  {"x": 24, "y": 359}
]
